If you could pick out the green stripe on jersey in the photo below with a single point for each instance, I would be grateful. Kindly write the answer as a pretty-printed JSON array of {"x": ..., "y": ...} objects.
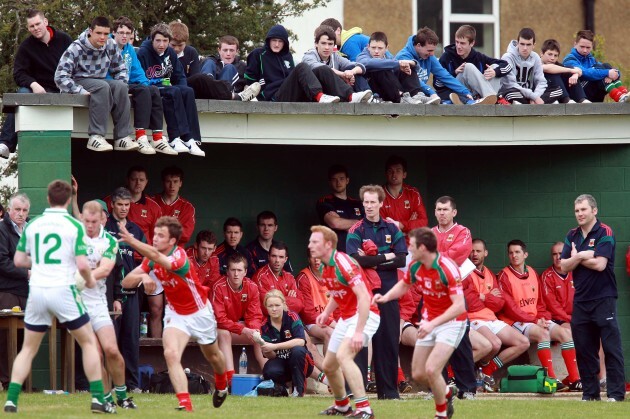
[
  {"x": 80, "y": 247},
  {"x": 78, "y": 300}
]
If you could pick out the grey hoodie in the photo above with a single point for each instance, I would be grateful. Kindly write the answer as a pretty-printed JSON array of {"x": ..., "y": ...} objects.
[
  {"x": 83, "y": 61},
  {"x": 336, "y": 61},
  {"x": 526, "y": 75}
]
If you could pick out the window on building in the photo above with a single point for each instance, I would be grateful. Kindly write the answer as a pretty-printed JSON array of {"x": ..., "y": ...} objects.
[{"x": 445, "y": 16}]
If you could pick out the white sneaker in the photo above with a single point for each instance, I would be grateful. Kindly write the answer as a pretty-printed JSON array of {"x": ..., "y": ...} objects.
[
  {"x": 162, "y": 146},
  {"x": 250, "y": 92},
  {"x": 427, "y": 100},
  {"x": 178, "y": 145},
  {"x": 360, "y": 97},
  {"x": 571, "y": 101},
  {"x": 125, "y": 144},
  {"x": 624, "y": 98},
  {"x": 455, "y": 99},
  {"x": 4, "y": 151},
  {"x": 586, "y": 101},
  {"x": 193, "y": 148},
  {"x": 488, "y": 100},
  {"x": 98, "y": 143},
  {"x": 406, "y": 98},
  {"x": 143, "y": 145},
  {"x": 329, "y": 99}
]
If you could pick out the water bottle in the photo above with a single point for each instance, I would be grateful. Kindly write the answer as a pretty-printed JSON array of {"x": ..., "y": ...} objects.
[
  {"x": 480, "y": 388},
  {"x": 144, "y": 326},
  {"x": 55, "y": 392},
  {"x": 242, "y": 362}
]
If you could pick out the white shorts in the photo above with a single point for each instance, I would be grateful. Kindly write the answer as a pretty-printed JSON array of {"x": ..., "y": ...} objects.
[
  {"x": 201, "y": 326},
  {"x": 450, "y": 333},
  {"x": 495, "y": 326},
  {"x": 159, "y": 289},
  {"x": 345, "y": 329},
  {"x": 64, "y": 302},
  {"x": 524, "y": 327},
  {"x": 99, "y": 315}
]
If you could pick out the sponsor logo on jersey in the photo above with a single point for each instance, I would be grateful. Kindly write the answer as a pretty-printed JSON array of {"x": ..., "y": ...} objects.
[
  {"x": 144, "y": 213},
  {"x": 591, "y": 243},
  {"x": 524, "y": 302},
  {"x": 450, "y": 238},
  {"x": 407, "y": 204},
  {"x": 176, "y": 213},
  {"x": 243, "y": 297},
  {"x": 388, "y": 239}
]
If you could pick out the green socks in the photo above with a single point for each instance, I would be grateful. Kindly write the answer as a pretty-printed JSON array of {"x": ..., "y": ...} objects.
[
  {"x": 14, "y": 392},
  {"x": 96, "y": 388},
  {"x": 121, "y": 392}
]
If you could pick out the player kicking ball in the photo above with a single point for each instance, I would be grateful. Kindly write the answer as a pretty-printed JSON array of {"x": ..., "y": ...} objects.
[
  {"x": 188, "y": 313},
  {"x": 443, "y": 314}
]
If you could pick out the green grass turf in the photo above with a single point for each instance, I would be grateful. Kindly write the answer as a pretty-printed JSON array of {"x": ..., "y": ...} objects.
[{"x": 157, "y": 406}]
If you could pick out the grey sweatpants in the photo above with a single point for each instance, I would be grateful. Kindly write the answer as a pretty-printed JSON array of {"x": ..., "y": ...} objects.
[
  {"x": 474, "y": 80},
  {"x": 108, "y": 96}
]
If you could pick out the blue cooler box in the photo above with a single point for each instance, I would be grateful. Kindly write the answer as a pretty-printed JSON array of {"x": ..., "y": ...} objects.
[{"x": 244, "y": 383}]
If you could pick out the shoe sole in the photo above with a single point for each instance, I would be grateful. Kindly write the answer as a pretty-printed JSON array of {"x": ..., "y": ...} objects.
[
  {"x": 455, "y": 99},
  {"x": 125, "y": 148},
  {"x": 488, "y": 100},
  {"x": 435, "y": 101},
  {"x": 147, "y": 151},
  {"x": 99, "y": 149}
]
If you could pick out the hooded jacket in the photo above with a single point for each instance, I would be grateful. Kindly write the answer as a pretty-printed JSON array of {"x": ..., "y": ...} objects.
[
  {"x": 157, "y": 67},
  {"x": 36, "y": 61},
  {"x": 13, "y": 280},
  {"x": 451, "y": 61},
  {"x": 586, "y": 64},
  {"x": 134, "y": 68},
  {"x": 527, "y": 74},
  {"x": 430, "y": 65},
  {"x": 82, "y": 60},
  {"x": 353, "y": 42},
  {"x": 268, "y": 68},
  {"x": 336, "y": 61}
]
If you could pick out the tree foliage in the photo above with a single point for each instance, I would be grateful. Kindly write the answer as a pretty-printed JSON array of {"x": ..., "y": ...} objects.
[{"x": 207, "y": 20}]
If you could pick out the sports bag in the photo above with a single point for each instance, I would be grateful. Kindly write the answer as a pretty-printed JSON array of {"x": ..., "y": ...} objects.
[
  {"x": 161, "y": 383},
  {"x": 528, "y": 379}
]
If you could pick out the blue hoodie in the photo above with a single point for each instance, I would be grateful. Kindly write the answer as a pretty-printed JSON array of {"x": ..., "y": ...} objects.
[
  {"x": 268, "y": 68},
  {"x": 134, "y": 68},
  {"x": 431, "y": 65},
  {"x": 157, "y": 67},
  {"x": 586, "y": 64}
]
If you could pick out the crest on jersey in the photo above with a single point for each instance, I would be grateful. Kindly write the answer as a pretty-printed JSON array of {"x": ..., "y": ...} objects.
[
  {"x": 427, "y": 283},
  {"x": 176, "y": 213},
  {"x": 407, "y": 204},
  {"x": 591, "y": 243},
  {"x": 450, "y": 238},
  {"x": 388, "y": 239},
  {"x": 243, "y": 297},
  {"x": 533, "y": 288},
  {"x": 357, "y": 211},
  {"x": 287, "y": 334},
  {"x": 489, "y": 286},
  {"x": 144, "y": 213}
]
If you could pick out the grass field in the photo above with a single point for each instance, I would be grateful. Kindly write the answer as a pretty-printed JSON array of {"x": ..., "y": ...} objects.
[{"x": 157, "y": 406}]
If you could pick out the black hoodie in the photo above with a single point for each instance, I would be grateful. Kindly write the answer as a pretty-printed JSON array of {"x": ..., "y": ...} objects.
[{"x": 268, "y": 68}]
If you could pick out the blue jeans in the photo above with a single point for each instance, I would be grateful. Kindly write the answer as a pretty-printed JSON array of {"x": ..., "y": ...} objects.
[{"x": 8, "y": 136}]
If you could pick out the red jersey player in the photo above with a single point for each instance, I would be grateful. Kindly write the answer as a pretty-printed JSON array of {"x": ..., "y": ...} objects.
[
  {"x": 355, "y": 328},
  {"x": 189, "y": 314},
  {"x": 173, "y": 205},
  {"x": 443, "y": 314},
  {"x": 203, "y": 260},
  {"x": 558, "y": 290}
]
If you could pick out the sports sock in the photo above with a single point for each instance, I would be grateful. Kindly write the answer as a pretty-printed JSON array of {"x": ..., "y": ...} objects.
[
  {"x": 343, "y": 404},
  {"x": 363, "y": 404},
  {"x": 350, "y": 98},
  {"x": 492, "y": 366},
  {"x": 401, "y": 375},
  {"x": 229, "y": 374},
  {"x": 121, "y": 391},
  {"x": 568, "y": 354},
  {"x": 450, "y": 372},
  {"x": 157, "y": 135},
  {"x": 369, "y": 374},
  {"x": 96, "y": 388},
  {"x": 440, "y": 409},
  {"x": 184, "y": 401},
  {"x": 13, "y": 394},
  {"x": 544, "y": 355},
  {"x": 108, "y": 397},
  {"x": 318, "y": 96},
  {"x": 140, "y": 132},
  {"x": 322, "y": 378},
  {"x": 220, "y": 381}
]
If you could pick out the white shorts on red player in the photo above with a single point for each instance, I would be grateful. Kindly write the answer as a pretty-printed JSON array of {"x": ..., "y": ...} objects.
[
  {"x": 201, "y": 326},
  {"x": 524, "y": 327},
  {"x": 345, "y": 329},
  {"x": 450, "y": 333},
  {"x": 495, "y": 326}
]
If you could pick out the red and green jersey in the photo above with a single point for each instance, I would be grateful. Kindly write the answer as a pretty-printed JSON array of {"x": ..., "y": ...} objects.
[
  {"x": 184, "y": 293},
  {"x": 437, "y": 283},
  {"x": 342, "y": 273}
]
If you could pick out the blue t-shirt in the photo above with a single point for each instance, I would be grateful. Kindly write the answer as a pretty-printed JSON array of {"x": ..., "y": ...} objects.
[{"x": 291, "y": 328}]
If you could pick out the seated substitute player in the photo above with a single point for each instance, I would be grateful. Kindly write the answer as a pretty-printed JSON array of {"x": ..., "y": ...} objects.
[
  {"x": 233, "y": 234},
  {"x": 188, "y": 313},
  {"x": 598, "y": 79},
  {"x": 525, "y": 310},
  {"x": 484, "y": 299},
  {"x": 203, "y": 260},
  {"x": 558, "y": 290},
  {"x": 173, "y": 205},
  {"x": 237, "y": 306},
  {"x": 443, "y": 314},
  {"x": 355, "y": 328},
  {"x": 102, "y": 249},
  {"x": 52, "y": 247},
  {"x": 267, "y": 224}
]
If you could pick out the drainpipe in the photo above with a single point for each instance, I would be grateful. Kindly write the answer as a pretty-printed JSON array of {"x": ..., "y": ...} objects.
[{"x": 589, "y": 15}]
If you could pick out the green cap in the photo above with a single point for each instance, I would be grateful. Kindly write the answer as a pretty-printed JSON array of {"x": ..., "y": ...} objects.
[{"x": 103, "y": 205}]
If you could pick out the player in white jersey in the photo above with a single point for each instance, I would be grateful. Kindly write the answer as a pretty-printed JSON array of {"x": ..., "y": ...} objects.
[
  {"x": 53, "y": 247},
  {"x": 101, "y": 254}
]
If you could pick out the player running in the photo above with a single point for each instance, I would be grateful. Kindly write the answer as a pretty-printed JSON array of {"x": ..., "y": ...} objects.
[{"x": 188, "y": 313}]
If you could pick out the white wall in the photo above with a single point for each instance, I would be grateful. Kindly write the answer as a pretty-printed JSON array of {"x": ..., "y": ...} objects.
[{"x": 305, "y": 25}]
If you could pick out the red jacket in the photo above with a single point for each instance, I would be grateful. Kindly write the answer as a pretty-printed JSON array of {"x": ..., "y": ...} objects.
[
  {"x": 558, "y": 293},
  {"x": 232, "y": 306},
  {"x": 208, "y": 273},
  {"x": 267, "y": 280},
  {"x": 145, "y": 212},
  {"x": 475, "y": 284},
  {"x": 181, "y": 209},
  {"x": 455, "y": 243},
  {"x": 407, "y": 208}
]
